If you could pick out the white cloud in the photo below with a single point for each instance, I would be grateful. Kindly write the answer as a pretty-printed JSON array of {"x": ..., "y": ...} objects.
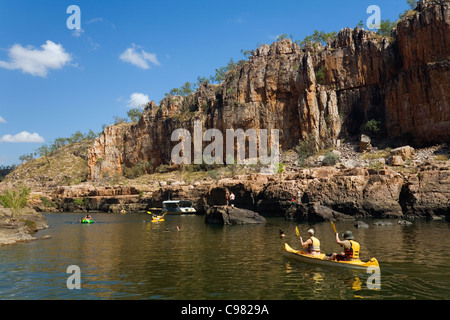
[
  {"x": 77, "y": 32},
  {"x": 24, "y": 136},
  {"x": 2, "y": 120},
  {"x": 137, "y": 100},
  {"x": 94, "y": 45},
  {"x": 135, "y": 55},
  {"x": 36, "y": 62},
  {"x": 95, "y": 20}
]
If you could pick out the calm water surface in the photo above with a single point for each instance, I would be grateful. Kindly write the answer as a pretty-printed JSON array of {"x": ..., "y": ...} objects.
[{"x": 128, "y": 257}]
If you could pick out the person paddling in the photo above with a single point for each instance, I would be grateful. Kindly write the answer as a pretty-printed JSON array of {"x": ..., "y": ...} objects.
[
  {"x": 351, "y": 248},
  {"x": 312, "y": 245},
  {"x": 86, "y": 218}
]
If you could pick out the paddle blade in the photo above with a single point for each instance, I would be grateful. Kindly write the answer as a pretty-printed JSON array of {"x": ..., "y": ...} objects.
[
  {"x": 297, "y": 232},
  {"x": 334, "y": 227}
]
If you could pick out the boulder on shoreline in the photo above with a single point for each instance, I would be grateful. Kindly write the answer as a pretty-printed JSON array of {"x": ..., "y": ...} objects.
[
  {"x": 361, "y": 225},
  {"x": 20, "y": 226},
  {"x": 314, "y": 211},
  {"x": 227, "y": 215}
]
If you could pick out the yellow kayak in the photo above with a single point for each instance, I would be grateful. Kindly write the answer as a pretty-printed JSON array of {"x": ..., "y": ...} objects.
[
  {"x": 158, "y": 219},
  {"x": 321, "y": 259}
]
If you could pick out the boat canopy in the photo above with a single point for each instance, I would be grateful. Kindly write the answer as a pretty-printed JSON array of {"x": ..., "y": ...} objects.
[{"x": 177, "y": 203}]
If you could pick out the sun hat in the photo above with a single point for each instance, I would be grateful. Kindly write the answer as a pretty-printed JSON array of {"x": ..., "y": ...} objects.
[{"x": 348, "y": 235}]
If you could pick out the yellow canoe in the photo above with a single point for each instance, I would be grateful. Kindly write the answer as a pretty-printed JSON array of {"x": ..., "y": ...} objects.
[
  {"x": 158, "y": 219},
  {"x": 321, "y": 259}
]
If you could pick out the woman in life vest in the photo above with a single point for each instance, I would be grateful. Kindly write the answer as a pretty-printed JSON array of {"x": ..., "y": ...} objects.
[
  {"x": 351, "y": 248},
  {"x": 312, "y": 245}
]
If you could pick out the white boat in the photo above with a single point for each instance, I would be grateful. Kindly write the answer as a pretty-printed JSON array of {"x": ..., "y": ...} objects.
[{"x": 178, "y": 207}]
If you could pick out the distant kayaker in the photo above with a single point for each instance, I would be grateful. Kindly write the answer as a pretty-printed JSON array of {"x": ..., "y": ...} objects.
[
  {"x": 351, "y": 248},
  {"x": 282, "y": 234},
  {"x": 312, "y": 245},
  {"x": 87, "y": 217}
]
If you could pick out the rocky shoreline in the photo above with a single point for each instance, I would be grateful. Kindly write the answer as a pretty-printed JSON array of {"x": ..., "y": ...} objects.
[
  {"x": 20, "y": 226},
  {"x": 360, "y": 185}
]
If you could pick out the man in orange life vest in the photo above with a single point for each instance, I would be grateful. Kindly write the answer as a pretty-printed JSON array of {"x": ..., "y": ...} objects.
[{"x": 351, "y": 248}]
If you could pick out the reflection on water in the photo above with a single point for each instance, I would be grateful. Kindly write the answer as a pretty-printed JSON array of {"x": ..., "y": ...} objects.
[{"x": 128, "y": 257}]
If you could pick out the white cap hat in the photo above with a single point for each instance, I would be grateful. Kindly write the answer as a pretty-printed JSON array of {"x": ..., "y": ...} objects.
[{"x": 311, "y": 232}]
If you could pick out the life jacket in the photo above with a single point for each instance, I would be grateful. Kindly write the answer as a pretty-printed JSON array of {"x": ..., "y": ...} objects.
[
  {"x": 315, "y": 246},
  {"x": 353, "y": 251}
]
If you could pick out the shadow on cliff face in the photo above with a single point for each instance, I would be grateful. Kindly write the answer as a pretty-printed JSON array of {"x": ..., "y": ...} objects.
[
  {"x": 217, "y": 196},
  {"x": 263, "y": 202},
  {"x": 244, "y": 198}
]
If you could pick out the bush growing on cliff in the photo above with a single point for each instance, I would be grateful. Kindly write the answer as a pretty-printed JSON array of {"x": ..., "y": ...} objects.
[
  {"x": 386, "y": 27},
  {"x": 284, "y": 36},
  {"x": 138, "y": 169},
  {"x": 82, "y": 202},
  {"x": 320, "y": 75},
  {"x": 373, "y": 128},
  {"x": 321, "y": 37},
  {"x": 330, "y": 159},
  {"x": 163, "y": 168},
  {"x": 15, "y": 199},
  {"x": 412, "y": 5},
  {"x": 134, "y": 114},
  {"x": 219, "y": 76},
  {"x": 305, "y": 149},
  {"x": 184, "y": 90},
  {"x": 58, "y": 143}
]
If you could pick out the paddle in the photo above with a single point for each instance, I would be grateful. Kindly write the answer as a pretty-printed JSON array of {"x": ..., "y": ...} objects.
[
  {"x": 334, "y": 227},
  {"x": 297, "y": 232},
  {"x": 335, "y": 232}
]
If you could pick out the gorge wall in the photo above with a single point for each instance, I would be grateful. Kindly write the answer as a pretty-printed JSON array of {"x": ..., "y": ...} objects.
[{"x": 401, "y": 81}]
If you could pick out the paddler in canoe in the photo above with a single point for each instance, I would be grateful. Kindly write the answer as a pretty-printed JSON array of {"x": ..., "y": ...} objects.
[
  {"x": 312, "y": 245},
  {"x": 351, "y": 248}
]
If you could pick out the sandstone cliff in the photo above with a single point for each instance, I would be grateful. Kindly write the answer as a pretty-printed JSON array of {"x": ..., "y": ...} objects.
[{"x": 401, "y": 81}]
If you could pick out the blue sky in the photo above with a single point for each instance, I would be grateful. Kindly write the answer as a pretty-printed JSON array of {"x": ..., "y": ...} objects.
[{"x": 55, "y": 81}]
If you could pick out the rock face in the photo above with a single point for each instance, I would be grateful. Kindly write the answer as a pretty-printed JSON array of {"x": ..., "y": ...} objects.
[
  {"x": 417, "y": 98},
  {"x": 313, "y": 94},
  {"x": 427, "y": 193}
]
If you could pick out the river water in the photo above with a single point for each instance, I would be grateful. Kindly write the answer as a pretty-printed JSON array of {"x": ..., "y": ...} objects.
[{"x": 128, "y": 257}]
